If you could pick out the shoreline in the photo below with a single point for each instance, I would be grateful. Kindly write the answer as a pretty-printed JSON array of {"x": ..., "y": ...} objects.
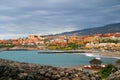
[
  {"x": 27, "y": 71},
  {"x": 105, "y": 53},
  {"x": 93, "y": 52}
]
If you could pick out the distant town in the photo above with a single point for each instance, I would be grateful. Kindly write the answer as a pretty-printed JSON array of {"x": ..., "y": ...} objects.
[{"x": 109, "y": 41}]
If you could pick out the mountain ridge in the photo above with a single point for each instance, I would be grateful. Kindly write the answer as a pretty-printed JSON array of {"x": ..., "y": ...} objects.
[{"x": 109, "y": 28}]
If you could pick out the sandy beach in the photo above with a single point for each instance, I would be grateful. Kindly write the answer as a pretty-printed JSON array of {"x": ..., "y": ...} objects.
[{"x": 104, "y": 53}]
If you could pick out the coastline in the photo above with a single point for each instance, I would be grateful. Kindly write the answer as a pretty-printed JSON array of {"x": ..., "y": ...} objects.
[
  {"x": 93, "y": 52},
  {"x": 23, "y": 71},
  {"x": 10, "y": 70},
  {"x": 105, "y": 53}
]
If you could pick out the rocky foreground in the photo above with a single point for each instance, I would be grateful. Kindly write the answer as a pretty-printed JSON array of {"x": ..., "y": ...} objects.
[
  {"x": 114, "y": 76},
  {"x": 11, "y": 70}
]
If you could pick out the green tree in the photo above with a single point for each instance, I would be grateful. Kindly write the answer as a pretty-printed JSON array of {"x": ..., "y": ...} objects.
[
  {"x": 107, "y": 71},
  {"x": 73, "y": 45}
]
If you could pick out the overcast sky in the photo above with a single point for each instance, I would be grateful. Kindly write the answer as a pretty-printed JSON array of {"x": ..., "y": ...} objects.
[{"x": 23, "y": 17}]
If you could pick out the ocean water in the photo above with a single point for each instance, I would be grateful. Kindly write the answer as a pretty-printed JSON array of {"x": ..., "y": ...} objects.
[{"x": 51, "y": 59}]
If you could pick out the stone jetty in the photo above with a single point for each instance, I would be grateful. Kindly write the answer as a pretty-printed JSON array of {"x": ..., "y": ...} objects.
[{"x": 11, "y": 70}]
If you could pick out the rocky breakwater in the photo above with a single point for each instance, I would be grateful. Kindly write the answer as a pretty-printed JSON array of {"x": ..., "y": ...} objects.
[{"x": 11, "y": 70}]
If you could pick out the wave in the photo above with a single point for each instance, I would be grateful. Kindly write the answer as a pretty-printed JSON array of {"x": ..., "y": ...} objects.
[
  {"x": 89, "y": 55},
  {"x": 117, "y": 57}
]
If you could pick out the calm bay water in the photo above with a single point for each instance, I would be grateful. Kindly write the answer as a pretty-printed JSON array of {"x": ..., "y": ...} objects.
[{"x": 51, "y": 59}]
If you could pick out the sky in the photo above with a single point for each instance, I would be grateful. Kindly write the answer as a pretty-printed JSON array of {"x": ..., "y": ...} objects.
[{"x": 19, "y": 18}]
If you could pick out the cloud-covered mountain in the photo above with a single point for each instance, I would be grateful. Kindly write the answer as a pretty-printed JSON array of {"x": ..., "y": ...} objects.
[{"x": 110, "y": 28}]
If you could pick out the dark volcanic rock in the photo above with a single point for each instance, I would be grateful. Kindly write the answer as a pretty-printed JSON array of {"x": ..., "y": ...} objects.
[{"x": 11, "y": 70}]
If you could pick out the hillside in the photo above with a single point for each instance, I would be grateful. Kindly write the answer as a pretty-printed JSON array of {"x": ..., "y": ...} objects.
[{"x": 110, "y": 28}]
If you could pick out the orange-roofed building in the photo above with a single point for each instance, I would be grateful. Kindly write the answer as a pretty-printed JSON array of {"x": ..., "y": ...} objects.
[
  {"x": 117, "y": 34},
  {"x": 98, "y": 35},
  {"x": 108, "y": 35},
  {"x": 72, "y": 40},
  {"x": 15, "y": 42},
  {"x": 80, "y": 42},
  {"x": 4, "y": 41},
  {"x": 88, "y": 39}
]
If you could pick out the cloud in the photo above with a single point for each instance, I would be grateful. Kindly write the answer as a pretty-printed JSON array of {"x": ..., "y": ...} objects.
[
  {"x": 6, "y": 18},
  {"x": 3, "y": 8},
  {"x": 12, "y": 36},
  {"x": 55, "y": 16}
]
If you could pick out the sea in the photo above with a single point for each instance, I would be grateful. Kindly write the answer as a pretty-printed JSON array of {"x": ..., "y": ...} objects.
[{"x": 53, "y": 59}]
